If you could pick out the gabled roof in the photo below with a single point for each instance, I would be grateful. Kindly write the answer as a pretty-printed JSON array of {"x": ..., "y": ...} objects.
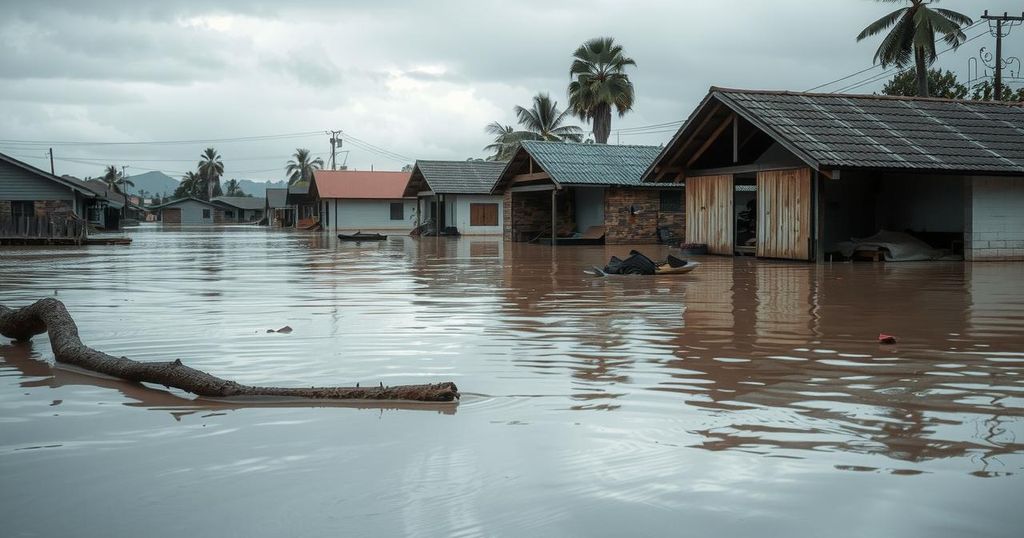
[
  {"x": 277, "y": 198},
  {"x": 454, "y": 177},
  {"x": 583, "y": 164},
  {"x": 185, "y": 199},
  {"x": 869, "y": 131},
  {"x": 241, "y": 202},
  {"x": 352, "y": 184},
  {"x": 64, "y": 182}
]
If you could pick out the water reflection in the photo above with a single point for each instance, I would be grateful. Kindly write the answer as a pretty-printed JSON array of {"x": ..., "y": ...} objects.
[{"x": 605, "y": 401}]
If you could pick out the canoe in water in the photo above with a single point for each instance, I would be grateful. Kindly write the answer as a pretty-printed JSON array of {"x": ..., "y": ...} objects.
[{"x": 360, "y": 236}]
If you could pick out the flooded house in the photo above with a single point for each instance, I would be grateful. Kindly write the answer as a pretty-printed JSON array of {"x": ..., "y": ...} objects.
[
  {"x": 801, "y": 176},
  {"x": 277, "y": 210},
  {"x": 241, "y": 209},
  {"x": 36, "y": 203},
  {"x": 352, "y": 200},
  {"x": 568, "y": 193},
  {"x": 302, "y": 204},
  {"x": 457, "y": 195},
  {"x": 189, "y": 212},
  {"x": 106, "y": 210}
]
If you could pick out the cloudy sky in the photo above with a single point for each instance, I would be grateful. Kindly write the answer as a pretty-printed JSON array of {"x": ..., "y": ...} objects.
[{"x": 403, "y": 80}]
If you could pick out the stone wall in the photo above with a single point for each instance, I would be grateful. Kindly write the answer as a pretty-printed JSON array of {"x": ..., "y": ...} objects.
[
  {"x": 674, "y": 221},
  {"x": 631, "y": 215},
  {"x": 994, "y": 219},
  {"x": 5, "y": 209},
  {"x": 45, "y": 208}
]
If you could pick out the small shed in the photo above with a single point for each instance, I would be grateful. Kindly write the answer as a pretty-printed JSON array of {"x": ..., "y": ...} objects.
[
  {"x": 586, "y": 193},
  {"x": 277, "y": 210},
  {"x": 796, "y": 175},
  {"x": 457, "y": 194},
  {"x": 189, "y": 212}
]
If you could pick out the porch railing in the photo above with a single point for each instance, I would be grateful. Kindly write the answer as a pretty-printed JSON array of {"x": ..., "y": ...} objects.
[{"x": 45, "y": 227}]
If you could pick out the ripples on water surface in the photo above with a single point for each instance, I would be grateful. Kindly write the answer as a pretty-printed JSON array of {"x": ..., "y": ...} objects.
[{"x": 748, "y": 398}]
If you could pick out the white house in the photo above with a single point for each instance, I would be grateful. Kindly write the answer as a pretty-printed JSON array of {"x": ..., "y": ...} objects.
[
  {"x": 350, "y": 200},
  {"x": 189, "y": 212},
  {"x": 457, "y": 194}
]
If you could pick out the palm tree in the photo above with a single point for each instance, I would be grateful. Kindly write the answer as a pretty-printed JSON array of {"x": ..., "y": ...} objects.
[
  {"x": 232, "y": 188},
  {"x": 544, "y": 121},
  {"x": 116, "y": 181},
  {"x": 210, "y": 169},
  {"x": 192, "y": 184},
  {"x": 301, "y": 167},
  {"x": 506, "y": 139},
  {"x": 600, "y": 83},
  {"x": 913, "y": 36}
]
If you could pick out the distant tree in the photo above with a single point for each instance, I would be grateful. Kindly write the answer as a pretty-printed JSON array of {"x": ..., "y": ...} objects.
[
  {"x": 302, "y": 165},
  {"x": 985, "y": 90},
  {"x": 407, "y": 168},
  {"x": 232, "y": 188},
  {"x": 545, "y": 121},
  {"x": 912, "y": 37},
  {"x": 940, "y": 83},
  {"x": 210, "y": 169},
  {"x": 116, "y": 182},
  {"x": 600, "y": 83},
  {"x": 192, "y": 185},
  {"x": 506, "y": 140}
]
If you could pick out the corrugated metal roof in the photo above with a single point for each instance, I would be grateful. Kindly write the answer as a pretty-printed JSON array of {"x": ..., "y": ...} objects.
[
  {"x": 352, "y": 184},
  {"x": 888, "y": 132},
  {"x": 180, "y": 200},
  {"x": 277, "y": 198},
  {"x": 460, "y": 177},
  {"x": 241, "y": 202},
  {"x": 592, "y": 164}
]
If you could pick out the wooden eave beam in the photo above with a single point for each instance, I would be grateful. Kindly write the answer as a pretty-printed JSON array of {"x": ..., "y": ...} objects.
[
  {"x": 711, "y": 140},
  {"x": 525, "y": 178},
  {"x": 700, "y": 127}
]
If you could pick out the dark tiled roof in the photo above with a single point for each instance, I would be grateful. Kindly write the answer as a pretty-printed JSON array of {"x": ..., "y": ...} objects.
[
  {"x": 888, "y": 132},
  {"x": 277, "y": 198},
  {"x": 592, "y": 164},
  {"x": 177, "y": 201},
  {"x": 460, "y": 177},
  {"x": 299, "y": 187},
  {"x": 241, "y": 202}
]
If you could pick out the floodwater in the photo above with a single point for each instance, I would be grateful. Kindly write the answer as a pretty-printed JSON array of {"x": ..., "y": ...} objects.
[{"x": 745, "y": 399}]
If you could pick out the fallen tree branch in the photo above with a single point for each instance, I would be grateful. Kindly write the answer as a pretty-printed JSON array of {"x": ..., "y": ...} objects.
[{"x": 50, "y": 315}]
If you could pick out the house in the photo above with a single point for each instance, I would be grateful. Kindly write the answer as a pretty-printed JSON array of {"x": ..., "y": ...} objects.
[
  {"x": 791, "y": 175},
  {"x": 277, "y": 210},
  {"x": 457, "y": 194},
  {"x": 586, "y": 193},
  {"x": 189, "y": 212},
  {"x": 301, "y": 202},
  {"x": 350, "y": 200},
  {"x": 241, "y": 209},
  {"x": 37, "y": 203},
  {"x": 106, "y": 209}
]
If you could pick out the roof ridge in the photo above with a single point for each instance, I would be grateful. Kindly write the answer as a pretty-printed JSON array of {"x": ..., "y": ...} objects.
[
  {"x": 589, "y": 144},
  {"x": 866, "y": 96}
]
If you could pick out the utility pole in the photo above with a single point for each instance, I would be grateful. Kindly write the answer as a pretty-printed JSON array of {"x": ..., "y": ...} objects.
[
  {"x": 52, "y": 173},
  {"x": 996, "y": 24},
  {"x": 124, "y": 190},
  {"x": 335, "y": 144}
]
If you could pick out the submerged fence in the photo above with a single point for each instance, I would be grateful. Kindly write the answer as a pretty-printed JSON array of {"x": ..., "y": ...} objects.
[{"x": 46, "y": 227}]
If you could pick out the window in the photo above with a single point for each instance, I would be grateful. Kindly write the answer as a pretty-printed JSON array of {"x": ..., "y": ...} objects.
[
  {"x": 206, "y": 213},
  {"x": 483, "y": 214},
  {"x": 227, "y": 214},
  {"x": 671, "y": 201},
  {"x": 397, "y": 211},
  {"x": 23, "y": 209}
]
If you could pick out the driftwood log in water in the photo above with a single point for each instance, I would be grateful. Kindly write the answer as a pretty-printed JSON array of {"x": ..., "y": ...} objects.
[{"x": 50, "y": 315}]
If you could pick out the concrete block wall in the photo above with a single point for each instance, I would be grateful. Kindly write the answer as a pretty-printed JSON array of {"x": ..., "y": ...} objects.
[
  {"x": 994, "y": 219},
  {"x": 631, "y": 215}
]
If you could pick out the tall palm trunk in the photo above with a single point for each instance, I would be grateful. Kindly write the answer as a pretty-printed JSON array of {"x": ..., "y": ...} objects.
[
  {"x": 922, "y": 73},
  {"x": 602, "y": 123},
  {"x": 210, "y": 183}
]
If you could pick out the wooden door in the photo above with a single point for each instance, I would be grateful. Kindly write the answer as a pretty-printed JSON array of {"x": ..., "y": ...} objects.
[
  {"x": 709, "y": 213},
  {"x": 784, "y": 214},
  {"x": 172, "y": 215}
]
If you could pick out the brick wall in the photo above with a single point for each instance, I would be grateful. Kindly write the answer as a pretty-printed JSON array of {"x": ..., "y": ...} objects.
[
  {"x": 674, "y": 221},
  {"x": 995, "y": 219},
  {"x": 531, "y": 214},
  {"x": 53, "y": 207},
  {"x": 508, "y": 221},
  {"x": 631, "y": 215},
  {"x": 5, "y": 209}
]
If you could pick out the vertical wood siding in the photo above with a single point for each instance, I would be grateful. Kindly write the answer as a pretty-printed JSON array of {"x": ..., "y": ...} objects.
[
  {"x": 784, "y": 214},
  {"x": 709, "y": 213}
]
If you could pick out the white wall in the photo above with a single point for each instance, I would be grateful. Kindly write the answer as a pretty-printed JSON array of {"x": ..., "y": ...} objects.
[
  {"x": 192, "y": 213},
  {"x": 458, "y": 213},
  {"x": 368, "y": 215},
  {"x": 995, "y": 218}
]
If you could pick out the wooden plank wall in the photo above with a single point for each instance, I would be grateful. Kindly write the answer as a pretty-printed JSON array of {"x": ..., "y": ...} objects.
[
  {"x": 784, "y": 214},
  {"x": 709, "y": 213}
]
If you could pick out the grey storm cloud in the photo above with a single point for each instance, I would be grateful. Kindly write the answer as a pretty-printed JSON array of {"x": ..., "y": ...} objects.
[{"x": 419, "y": 78}]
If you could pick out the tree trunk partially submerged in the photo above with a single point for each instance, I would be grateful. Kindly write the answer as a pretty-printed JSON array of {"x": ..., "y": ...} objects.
[{"x": 50, "y": 315}]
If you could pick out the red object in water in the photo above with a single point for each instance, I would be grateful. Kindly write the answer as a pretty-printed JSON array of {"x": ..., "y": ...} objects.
[{"x": 886, "y": 339}]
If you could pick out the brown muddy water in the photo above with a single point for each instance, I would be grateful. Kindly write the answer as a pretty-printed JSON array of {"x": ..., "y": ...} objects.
[{"x": 745, "y": 399}]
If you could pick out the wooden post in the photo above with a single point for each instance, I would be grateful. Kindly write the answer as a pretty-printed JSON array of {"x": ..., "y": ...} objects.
[{"x": 554, "y": 216}]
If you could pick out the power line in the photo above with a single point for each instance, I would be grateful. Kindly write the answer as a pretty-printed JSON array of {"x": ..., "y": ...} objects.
[{"x": 160, "y": 142}]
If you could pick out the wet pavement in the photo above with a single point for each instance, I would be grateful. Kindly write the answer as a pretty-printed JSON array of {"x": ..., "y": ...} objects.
[{"x": 746, "y": 398}]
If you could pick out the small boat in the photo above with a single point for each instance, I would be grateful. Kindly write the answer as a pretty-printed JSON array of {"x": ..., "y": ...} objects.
[{"x": 360, "y": 236}]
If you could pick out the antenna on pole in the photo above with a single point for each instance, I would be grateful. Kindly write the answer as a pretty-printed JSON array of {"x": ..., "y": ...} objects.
[{"x": 335, "y": 144}]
